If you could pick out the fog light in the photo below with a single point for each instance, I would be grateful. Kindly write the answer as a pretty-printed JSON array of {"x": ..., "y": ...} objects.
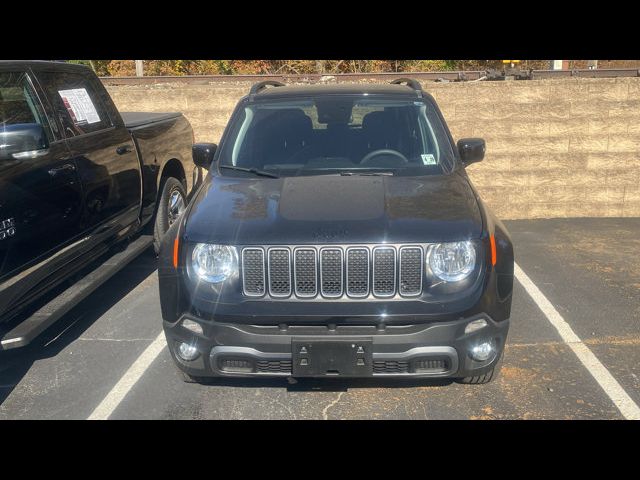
[
  {"x": 195, "y": 327},
  {"x": 187, "y": 352},
  {"x": 475, "y": 325},
  {"x": 483, "y": 351}
]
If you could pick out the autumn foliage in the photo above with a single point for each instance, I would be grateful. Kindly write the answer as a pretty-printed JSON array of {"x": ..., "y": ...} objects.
[
  {"x": 300, "y": 67},
  {"x": 282, "y": 67}
]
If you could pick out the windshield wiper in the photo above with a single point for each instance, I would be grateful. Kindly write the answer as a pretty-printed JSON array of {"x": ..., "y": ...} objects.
[
  {"x": 386, "y": 174},
  {"x": 255, "y": 171}
]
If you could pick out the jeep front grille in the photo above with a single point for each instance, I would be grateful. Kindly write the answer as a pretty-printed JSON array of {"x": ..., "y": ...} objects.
[
  {"x": 358, "y": 272},
  {"x": 384, "y": 271},
  {"x": 333, "y": 272},
  {"x": 410, "y": 271},
  {"x": 279, "y": 262},
  {"x": 305, "y": 272},
  {"x": 253, "y": 272}
]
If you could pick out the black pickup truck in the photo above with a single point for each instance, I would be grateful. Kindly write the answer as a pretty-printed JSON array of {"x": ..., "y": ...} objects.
[
  {"x": 337, "y": 234},
  {"x": 83, "y": 189}
]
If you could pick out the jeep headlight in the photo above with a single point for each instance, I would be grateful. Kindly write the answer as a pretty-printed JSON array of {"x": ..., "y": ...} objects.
[
  {"x": 214, "y": 263},
  {"x": 453, "y": 261}
]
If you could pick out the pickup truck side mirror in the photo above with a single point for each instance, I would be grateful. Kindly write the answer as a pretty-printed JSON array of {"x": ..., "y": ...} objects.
[
  {"x": 22, "y": 140},
  {"x": 471, "y": 150},
  {"x": 203, "y": 154}
]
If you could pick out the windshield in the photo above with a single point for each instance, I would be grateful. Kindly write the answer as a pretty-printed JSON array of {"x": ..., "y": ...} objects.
[{"x": 334, "y": 134}]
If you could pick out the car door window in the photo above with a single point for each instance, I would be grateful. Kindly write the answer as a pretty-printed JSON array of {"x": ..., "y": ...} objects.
[
  {"x": 77, "y": 103},
  {"x": 19, "y": 103},
  {"x": 41, "y": 199}
]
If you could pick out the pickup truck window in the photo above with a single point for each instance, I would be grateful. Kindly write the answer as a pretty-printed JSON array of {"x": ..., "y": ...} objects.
[
  {"x": 336, "y": 134},
  {"x": 19, "y": 103},
  {"x": 76, "y": 102}
]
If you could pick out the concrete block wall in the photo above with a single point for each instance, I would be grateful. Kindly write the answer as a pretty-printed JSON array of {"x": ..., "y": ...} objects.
[{"x": 555, "y": 148}]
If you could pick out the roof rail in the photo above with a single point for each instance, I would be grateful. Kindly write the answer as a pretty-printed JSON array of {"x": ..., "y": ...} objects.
[
  {"x": 262, "y": 85},
  {"x": 409, "y": 82}
]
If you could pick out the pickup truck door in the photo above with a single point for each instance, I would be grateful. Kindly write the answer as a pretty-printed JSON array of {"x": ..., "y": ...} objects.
[
  {"x": 40, "y": 196},
  {"x": 101, "y": 147}
]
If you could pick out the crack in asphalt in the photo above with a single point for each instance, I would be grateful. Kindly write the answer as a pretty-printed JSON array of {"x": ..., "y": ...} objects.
[
  {"x": 287, "y": 408},
  {"x": 324, "y": 411}
]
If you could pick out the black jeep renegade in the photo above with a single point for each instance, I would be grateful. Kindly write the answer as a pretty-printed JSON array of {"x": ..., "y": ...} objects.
[{"x": 337, "y": 234}]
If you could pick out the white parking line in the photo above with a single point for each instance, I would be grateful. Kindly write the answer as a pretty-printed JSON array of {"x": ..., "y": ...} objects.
[
  {"x": 128, "y": 380},
  {"x": 628, "y": 408}
]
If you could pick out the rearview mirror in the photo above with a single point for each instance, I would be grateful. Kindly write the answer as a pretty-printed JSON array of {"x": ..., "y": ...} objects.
[
  {"x": 203, "y": 154},
  {"x": 471, "y": 150},
  {"x": 22, "y": 140}
]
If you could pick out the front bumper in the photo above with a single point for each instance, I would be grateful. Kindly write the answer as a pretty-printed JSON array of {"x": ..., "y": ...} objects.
[{"x": 427, "y": 350}]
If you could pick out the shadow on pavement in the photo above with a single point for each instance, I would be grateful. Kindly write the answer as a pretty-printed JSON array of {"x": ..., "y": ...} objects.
[
  {"x": 325, "y": 384},
  {"x": 14, "y": 364}
]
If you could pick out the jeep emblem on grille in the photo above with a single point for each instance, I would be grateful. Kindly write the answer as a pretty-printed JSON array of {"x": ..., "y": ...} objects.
[{"x": 328, "y": 236}]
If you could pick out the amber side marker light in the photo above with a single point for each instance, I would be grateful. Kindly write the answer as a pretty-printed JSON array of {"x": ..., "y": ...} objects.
[
  {"x": 494, "y": 255},
  {"x": 176, "y": 247}
]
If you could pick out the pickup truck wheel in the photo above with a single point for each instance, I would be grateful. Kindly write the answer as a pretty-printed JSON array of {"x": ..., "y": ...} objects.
[{"x": 171, "y": 204}]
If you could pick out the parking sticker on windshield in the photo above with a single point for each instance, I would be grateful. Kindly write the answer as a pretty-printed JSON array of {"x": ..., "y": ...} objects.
[
  {"x": 428, "y": 159},
  {"x": 80, "y": 106}
]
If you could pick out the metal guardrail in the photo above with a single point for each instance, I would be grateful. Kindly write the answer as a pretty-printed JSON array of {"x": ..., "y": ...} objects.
[
  {"x": 586, "y": 73},
  {"x": 445, "y": 76},
  {"x": 294, "y": 78}
]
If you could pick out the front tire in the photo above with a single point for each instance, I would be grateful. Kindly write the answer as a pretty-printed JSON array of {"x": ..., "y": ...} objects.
[
  {"x": 171, "y": 203},
  {"x": 485, "y": 377},
  {"x": 186, "y": 378}
]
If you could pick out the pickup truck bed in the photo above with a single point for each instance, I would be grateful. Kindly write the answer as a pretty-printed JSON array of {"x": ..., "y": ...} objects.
[{"x": 139, "y": 119}]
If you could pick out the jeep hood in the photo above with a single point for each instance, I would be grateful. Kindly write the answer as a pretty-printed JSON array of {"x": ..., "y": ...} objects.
[{"x": 327, "y": 209}]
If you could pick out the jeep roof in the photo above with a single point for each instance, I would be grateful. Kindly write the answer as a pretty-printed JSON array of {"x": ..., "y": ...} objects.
[{"x": 334, "y": 89}]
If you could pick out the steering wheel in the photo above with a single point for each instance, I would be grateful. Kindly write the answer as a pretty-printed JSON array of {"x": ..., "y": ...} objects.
[{"x": 398, "y": 158}]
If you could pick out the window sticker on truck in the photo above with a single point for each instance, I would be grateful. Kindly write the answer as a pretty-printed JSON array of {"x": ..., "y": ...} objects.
[
  {"x": 428, "y": 159},
  {"x": 80, "y": 106}
]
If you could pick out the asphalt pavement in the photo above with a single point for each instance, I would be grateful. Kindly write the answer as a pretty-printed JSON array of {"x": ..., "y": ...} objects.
[{"x": 103, "y": 351}]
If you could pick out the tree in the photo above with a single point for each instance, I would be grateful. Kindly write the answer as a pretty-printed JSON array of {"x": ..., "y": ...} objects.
[{"x": 294, "y": 67}]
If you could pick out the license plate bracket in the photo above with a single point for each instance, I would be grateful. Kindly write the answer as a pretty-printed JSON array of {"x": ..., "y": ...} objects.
[{"x": 332, "y": 358}]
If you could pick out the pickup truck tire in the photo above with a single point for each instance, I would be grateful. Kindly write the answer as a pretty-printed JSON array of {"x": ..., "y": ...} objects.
[
  {"x": 171, "y": 203},
  {"x": 486, "y": 377}
]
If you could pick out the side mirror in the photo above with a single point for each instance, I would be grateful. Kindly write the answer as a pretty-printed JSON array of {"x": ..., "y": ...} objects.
[
  {"x": 22, "y": 140},
  {"x": 203, "y": 154},
  {"x": 471, "y": 150}
]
